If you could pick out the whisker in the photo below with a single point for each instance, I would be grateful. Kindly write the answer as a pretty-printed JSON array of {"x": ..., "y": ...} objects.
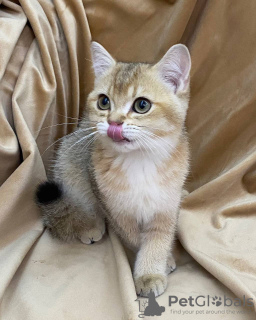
[
  {"x": 62, "y": 115},
  {"x": 155, "y": 135},
  {"x": 160, "y": 148},
  {"x": 90, "y": 121},
  {"x": 165, "y": 142},
  {"x": 167, "y": 152},
  {"x": 141, "y": 149},
  {"x": 146, "y": 140},
  {"x": 162, "y": 175},
  {"x": 87, "y": 122},
  {"x": 172, "y": 154},
  {"x": 55, "y": 125},
  {"x": 89, "y": 143},
  {"x": 152, "y": 128},
  {"x": 145, "y": 145},
  {"x": 51, "y": 167},
  {"x": 80, "y": 140},
  {"x": 65, "y": 137},
  {"x": 176, "y": 152},
  {"x": 52, "y": 145},
  {"x": 152, "y": 143}
]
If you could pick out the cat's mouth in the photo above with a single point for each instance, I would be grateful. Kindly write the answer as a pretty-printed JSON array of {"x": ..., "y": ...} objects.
[
  {"x": 115, "y": 132},
  {"x": 124, "y": 140}
]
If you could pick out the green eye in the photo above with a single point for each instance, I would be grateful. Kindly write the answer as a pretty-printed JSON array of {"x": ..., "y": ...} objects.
[
  {"x": 103, "y": 102},
  {"x": 141, "y": 105}
]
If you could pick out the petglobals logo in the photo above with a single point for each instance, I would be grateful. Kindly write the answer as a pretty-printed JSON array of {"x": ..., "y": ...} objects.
[
  {"x": 207, "y": 301},
  {"x": 149, "y": 306},
  {"x": 195, "y": 305},
  {"x": 207, "y": 305}
]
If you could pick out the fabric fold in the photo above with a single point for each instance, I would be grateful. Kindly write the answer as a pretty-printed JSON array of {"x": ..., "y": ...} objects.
[{"x": 45, "y": 77}]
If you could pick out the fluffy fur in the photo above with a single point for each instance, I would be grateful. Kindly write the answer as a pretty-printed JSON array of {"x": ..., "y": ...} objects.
[{"x": 135, "y": 184}]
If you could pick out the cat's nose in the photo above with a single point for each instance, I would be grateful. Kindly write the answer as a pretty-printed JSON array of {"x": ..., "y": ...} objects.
[{"x": 115, "y": 131}]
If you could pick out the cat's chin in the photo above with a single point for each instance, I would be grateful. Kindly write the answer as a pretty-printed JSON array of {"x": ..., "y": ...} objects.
[{"x": 122, "y": 146}]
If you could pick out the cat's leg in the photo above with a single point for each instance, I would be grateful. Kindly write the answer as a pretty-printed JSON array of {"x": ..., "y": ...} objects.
[
  {"x": 171, "y": 264},
  {"x": 128, "y": 230},
  {"x": 66, "y": 218},
  {"x": 150, "y": 271},
  {"x": 95, "y": 232}
]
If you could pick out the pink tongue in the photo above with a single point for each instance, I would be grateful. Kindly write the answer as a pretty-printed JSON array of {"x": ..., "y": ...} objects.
[{"x": 115, "y": 131}]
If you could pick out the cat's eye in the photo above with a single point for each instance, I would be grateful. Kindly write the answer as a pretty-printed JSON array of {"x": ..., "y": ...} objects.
[
  {"x": 141, "y": 105},
  {"x": 103, "y": 102}
]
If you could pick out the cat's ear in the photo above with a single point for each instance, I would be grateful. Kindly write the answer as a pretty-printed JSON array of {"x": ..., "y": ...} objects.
[
  {"x": 101, "y": 59},
  {"x": 174, "y": 68}
]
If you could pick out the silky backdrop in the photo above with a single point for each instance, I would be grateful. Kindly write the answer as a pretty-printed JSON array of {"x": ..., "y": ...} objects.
[{"x": 45, "y": 77}]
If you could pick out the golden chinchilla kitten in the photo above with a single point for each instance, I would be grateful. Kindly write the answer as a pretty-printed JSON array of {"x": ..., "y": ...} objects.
[{"x": 126, "y": 162}]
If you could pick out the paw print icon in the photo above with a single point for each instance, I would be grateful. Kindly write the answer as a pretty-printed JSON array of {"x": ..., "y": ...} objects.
[{"x": 217, "y": 301}]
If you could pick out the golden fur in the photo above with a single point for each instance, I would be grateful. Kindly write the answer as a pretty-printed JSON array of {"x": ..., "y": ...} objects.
[{"x": 135, "y": 184}]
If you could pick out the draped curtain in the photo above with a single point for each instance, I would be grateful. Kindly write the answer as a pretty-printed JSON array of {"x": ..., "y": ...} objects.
[{"x": 45, "y": 77}]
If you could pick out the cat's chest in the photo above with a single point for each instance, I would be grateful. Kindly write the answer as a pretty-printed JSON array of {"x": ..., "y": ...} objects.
[{"x": 133, "y": 186}]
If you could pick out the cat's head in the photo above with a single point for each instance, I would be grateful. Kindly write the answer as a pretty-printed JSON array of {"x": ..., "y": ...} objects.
[{"x": 139, "y": 105}]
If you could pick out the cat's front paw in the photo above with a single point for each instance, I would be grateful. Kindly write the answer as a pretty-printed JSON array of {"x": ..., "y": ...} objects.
[
  {"x": 171, "y": 264},
  {"x": 94, "y": 234},
  {"x": 155, "y": 282}
]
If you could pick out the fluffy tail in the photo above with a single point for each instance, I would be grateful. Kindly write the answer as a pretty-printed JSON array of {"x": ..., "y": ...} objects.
[
  {"x": 48, "y": 192},
  {"x": 58, "y": 215}
]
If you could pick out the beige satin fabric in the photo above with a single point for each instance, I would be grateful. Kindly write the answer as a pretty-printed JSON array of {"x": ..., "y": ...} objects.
[{"x": 45, "y": 77}]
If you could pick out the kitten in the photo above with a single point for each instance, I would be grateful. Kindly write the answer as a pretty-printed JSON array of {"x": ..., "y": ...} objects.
[{"x": 126, "y": 162}]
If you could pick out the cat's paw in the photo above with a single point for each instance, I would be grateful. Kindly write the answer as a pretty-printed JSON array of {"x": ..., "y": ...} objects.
[
  {"x": 155, "y": 282},
  {"x": 94, "y": 234},
  {"x": 184, "y": 194},
  {"x": 171, "y": 264}
]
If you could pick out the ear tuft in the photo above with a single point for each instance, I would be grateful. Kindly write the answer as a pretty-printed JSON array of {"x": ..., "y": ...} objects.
[
  {"x": 174, "y": 67},
  {"x": 101, "y": 59}
]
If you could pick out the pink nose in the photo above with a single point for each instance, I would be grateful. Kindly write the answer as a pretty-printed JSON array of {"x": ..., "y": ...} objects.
[{"x": 115, "y": 131}]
